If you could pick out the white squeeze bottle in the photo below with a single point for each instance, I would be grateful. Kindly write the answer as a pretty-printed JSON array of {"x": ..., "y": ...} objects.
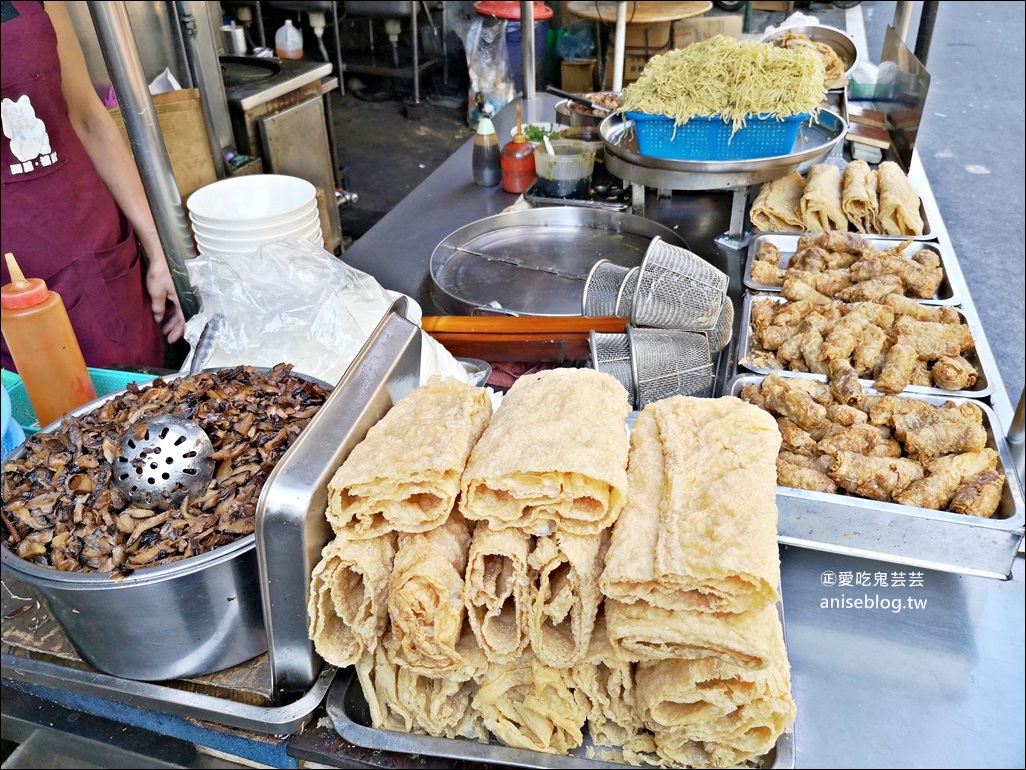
[{"x": 288, "y": 41}]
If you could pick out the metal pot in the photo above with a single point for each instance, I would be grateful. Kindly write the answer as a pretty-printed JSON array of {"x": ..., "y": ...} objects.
[
  {"x": 186, "y": 618},
  {"x": 191, "y": 617}
]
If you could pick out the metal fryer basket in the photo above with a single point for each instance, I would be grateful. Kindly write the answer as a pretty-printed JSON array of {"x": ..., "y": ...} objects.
[
  {"x": 611, "y": 353},
  {"x": 669, "y": 362},
  {"x": 677, "y": 289},
  {"x": 601, "y": 288}
]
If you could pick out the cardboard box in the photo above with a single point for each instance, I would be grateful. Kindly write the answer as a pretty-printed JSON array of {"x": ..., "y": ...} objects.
[
  {"x": 578, "y": 76},
  {"x": 688, "y": 31},
  {"x": 641, "y": 43}
]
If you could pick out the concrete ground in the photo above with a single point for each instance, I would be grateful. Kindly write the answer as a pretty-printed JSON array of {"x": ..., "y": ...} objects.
[{"x": 970, "y": 143}]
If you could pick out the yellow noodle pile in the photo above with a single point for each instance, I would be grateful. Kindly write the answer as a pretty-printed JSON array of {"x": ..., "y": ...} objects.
[{"x": 733, "y": 79}]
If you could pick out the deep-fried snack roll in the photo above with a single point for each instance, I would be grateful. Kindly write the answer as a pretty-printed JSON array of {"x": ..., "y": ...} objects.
[
  {"x": 979, "y": 495},
  {"x": 899, "y": 202},
  {"x": 712, "y": 701},
  {"x": 554, "y": 455},
  {"x": 425, "y": 595},
  {"x": 405, "y": 474},
  {"x": 348, "y": 606},
  {"x": 820, "y": 205},
  {"x": 568, "y": 596},
  {"x": 640, "y": 631},
  {"x": 499, "y": 591},
  {"x": 528, "y": 705},
  {"x": 953, "y": 373},
  {"x": 860, "y": 196},
  {"x": 699, "y": 530},
  {"x": 777, "y": 206},
  {"x": 946, "y": 475},
  {"x": 607, "y": 683},
  {"x": 790, "y": 474},
  {"x": 878, "y": 478},
  {"x": 950, "y": 429},
  {"x": 844, "y": 382},
  {"x": 787, "y": 398},
  {"x": 896, "y": 372}
]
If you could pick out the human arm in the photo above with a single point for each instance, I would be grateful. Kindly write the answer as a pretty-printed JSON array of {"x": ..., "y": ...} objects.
[{"x": 114, "y": 163}]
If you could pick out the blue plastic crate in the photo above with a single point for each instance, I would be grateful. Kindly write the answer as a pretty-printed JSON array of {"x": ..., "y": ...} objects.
[
  {"x": 762, "y": 136},
  {"x": 105, "y": 381}
]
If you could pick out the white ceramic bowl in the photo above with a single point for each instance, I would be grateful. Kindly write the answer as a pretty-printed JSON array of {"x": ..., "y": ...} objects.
[
  {"x": 241, "y": 239},
  {"x": 224, "y": 246},
  {"x": 303, "y": 219},
  {"x": 262, "y": 199}
]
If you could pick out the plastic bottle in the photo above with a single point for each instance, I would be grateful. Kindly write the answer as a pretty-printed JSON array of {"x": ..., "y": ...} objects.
[
  {"x": 486, "y": 160},
  {"x": 44, "y": 347},
  {"x": 518, "y": 172},
  {"x": 288, "y": 41}
]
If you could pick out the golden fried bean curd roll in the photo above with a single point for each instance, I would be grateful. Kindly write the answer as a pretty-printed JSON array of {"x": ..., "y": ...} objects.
[
  {"x": 688, "y": 491},
  {"x": 528, "y": 705},
  {"x": 860, "y": 196},
  {"x": 899, "y": 202},
  {"x": 499, "y": 591},
  {"x": 820, "y": 205},
  {"x": 951, "y": 429},
  {"x": 568, "y": 596},
  {"x": 787, "y": 399},
  {"x": 405, "y": 475},
  {"x": 844, "y": 383},
  {"x": 425, "y": 595},
  {"x": 554, "y": 455},
  {"x": 953, "y": 373},
  {"x": 777, "y": 207},
  {"x": 896, "y": 372},
  {"x": 348, "y": 605}
]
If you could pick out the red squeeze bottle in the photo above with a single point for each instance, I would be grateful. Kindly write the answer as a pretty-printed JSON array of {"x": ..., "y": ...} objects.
[
  {"x": 44, "y": 347},
  {"x": 517, "y": 162}
]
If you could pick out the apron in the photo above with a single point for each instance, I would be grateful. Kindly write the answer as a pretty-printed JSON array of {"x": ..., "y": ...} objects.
[{"x": 59, "y": 219}]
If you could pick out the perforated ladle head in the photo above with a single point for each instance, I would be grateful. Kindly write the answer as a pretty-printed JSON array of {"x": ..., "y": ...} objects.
[{"x": 163, "y": 459}]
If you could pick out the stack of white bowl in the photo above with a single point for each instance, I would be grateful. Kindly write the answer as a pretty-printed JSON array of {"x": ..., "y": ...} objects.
[{"x": 238, "y": 215}]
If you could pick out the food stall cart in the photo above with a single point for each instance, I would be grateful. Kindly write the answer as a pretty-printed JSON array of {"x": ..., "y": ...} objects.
[{"x": 908, "y": 676}]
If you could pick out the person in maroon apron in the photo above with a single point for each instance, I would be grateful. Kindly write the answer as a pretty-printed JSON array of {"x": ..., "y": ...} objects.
[{"x": 73, "y": 204}]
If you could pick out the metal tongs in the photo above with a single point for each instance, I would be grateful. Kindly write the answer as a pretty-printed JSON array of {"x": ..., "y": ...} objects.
[{"x": 578, "y": 99}]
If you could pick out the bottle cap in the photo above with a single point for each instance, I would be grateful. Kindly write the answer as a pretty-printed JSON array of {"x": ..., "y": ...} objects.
[
  {"x": 21, "y": 291},
  {"x": 484, "y": 126}
]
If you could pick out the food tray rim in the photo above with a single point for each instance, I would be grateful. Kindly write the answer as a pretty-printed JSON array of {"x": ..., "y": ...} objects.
[
  {"x": 473, "y": 751},
  {"x": 761, "y": 237},
  {"x": 745, "y": 343}
]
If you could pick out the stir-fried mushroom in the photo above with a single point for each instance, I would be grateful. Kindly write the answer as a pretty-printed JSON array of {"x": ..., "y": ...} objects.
[{"x": 61, "y": 510}]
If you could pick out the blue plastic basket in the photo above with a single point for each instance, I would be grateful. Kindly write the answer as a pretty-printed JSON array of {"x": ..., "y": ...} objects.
[
  {"x": 105, "y": 381},
  {"x": 762, "y": 136}
]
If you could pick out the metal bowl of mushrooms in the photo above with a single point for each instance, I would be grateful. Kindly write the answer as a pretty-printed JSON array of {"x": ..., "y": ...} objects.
[{"x": 132, "y": 516}]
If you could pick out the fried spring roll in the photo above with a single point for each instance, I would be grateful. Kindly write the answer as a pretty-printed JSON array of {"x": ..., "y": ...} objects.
[
  {"x": 797, "y": 290},
  {"x": 773, "y": 337},
  {"x": 878, "y": 478},
  {"x": 873, "y": 290},
  {"x": 896, "y": 373},
  {"x": 796, "y": 439},
  {"x": 946, "y": 475},
  {"x": 870, "y": 351},
  {"x": 767, "y": 274},
  {"x": 838, "y": 241},
  {"x": 829, "y": 283},
  {"x": 788, "y": 400},
  {"x": 752, "y": 393},
  {"x": 796, "y": 476},
  {"x": 869, "y": 440},
  {"x": 846, "y": 416},
  {"x": 979, "y": 495},
  {"x": 947, "y": 430},
  {"x": 769, "y": 253},
  {"x": 844, "y": 382},
  {"x": 953, "y": 373},
  {"x": 903, "y": 305}
]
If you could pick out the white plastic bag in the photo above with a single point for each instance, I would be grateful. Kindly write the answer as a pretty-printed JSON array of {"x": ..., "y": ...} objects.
[{"x": 292, "y": 301}]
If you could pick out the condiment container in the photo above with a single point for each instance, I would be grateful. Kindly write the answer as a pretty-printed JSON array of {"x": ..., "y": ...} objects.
[
  {"x": 486, "y": 156},
  {"x": 44, "y": 347},
  {"x": 288, "y": 41},
  {"x": 517, "y": 162},
  {"x": 566, "y": 171}
]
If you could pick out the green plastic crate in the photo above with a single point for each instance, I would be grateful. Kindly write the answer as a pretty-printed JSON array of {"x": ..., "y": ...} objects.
[{"x": 105, "y": 381}]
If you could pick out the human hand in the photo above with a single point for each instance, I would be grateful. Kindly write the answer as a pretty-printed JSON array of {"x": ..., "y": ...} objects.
[{"x": 164, "y": 303}]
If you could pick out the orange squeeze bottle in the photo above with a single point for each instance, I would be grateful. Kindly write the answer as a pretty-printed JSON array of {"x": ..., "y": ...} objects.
[{"x": 44, "y": 347}]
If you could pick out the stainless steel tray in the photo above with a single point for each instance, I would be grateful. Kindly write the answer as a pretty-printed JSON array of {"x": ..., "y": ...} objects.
[
  {"x": 535, "y": 262},
  {"x": 981, "y": 388},
  {"x": 902, "y": 534},
  {"x": 149, "y": 696},
  {"x": 350, "y": 716},
  {"x": 788, "y": 245},
  {"x": 816, "y": 139},
  {"x": 291, "y": 528}
]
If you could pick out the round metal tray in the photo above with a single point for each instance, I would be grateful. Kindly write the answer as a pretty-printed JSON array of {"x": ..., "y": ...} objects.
[
  {"x": 535, "y": 262},
  {"x": 817, "y": 137}
]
